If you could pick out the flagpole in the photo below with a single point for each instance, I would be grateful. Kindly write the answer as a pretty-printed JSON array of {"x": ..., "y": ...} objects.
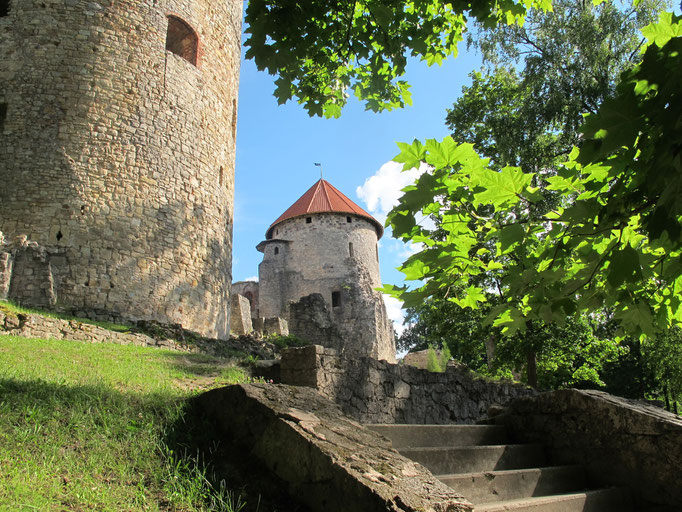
[{"x": 320, "y": 166}]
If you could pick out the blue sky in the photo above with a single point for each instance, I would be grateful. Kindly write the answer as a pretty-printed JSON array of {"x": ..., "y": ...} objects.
[{"x": 277, "y": 147}]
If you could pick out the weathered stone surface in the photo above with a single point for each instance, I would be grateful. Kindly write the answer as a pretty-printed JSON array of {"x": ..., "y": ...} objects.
[
  {"x": 374, "y": 391},
  {"x": 276, "y": 325},
  {"x": 310, "y": 319},
  {"x": 240, "y": 315},
  {"x": 330, "y": 462},
  {"x": 117, "y": 155},
  {"x": 620, "y": 442}
]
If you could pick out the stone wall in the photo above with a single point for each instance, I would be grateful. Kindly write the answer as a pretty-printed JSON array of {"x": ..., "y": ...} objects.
[
  {"x": 619, "y": 441},
  {"x": 149, "y": 334},
  {"x": 338, "y": 260},
  {"x": 117, "y": 156},
  {"x": 374, "y": 391}
]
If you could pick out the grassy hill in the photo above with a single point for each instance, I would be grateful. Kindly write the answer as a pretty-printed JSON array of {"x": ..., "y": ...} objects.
[{"x": 107, "y": 427}]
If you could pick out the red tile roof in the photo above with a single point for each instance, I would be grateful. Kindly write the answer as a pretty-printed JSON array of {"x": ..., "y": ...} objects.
[{"x": 324, "y": 197}]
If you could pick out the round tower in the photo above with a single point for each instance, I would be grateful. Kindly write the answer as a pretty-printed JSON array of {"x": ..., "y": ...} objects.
[
  {"x": 117, "y": 136},
  {"x": 326, "y": 244}
]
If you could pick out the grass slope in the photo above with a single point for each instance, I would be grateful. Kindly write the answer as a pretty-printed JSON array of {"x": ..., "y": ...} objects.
[{"x": 102, "y": 427}]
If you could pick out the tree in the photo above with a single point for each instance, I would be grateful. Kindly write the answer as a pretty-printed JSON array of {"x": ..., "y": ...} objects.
[
  {"x": 615, "y": 239},
  {"x": 321, "y": 50},
  {"x": 571, "y": 355},
  {"x": 528, "y": 118}
]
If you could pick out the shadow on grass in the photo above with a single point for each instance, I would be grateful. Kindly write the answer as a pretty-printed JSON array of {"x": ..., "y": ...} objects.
[
  {"x": 225, "y": 465},
  {"x": 183, "y": 456}
]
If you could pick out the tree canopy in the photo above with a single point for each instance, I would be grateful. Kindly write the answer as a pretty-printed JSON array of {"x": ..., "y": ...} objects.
[
  {"x": 613, "y": 241},
  {"x": 322, "y": 50}
]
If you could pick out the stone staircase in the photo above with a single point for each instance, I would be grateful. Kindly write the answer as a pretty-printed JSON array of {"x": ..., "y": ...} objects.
[{"x": 478, "y": 462}]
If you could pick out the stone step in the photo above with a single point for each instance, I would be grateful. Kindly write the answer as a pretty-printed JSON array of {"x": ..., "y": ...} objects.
[
  {"x": 474, "y": 459},
  {"x": 511, "y": 484},
  {"x": 418, "y": 436},
  {"x": 601, "y": 500}
]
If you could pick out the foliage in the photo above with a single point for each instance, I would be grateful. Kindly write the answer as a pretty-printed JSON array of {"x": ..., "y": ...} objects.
[
  {"x": 614, "y": 241},
  {"x": 282, "y": 342},
  {"x": 437, "y": 362},
  {"x": 566, "y": 356},
  {"x": 568, "y": 63},
  {"x": 320, "y": 50}
]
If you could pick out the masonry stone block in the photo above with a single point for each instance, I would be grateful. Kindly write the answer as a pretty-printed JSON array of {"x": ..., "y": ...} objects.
[{"x": 240, "y": 315}]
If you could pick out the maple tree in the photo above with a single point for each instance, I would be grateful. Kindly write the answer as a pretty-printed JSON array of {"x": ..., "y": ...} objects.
[
  {"x": 615, "y": 239},
  {"x": 321, "y": 51}
]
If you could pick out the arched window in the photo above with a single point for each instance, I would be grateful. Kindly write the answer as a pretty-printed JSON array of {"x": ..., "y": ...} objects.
[
  {"x": 182, "y": 40},
  {"x": 276, "y": 250}
]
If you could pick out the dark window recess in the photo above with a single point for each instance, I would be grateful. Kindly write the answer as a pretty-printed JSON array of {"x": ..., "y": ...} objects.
[
  {"x": 182, "y": 40},
  {"x": 377, "y": 249},
  {"x": 276, "y": 250},
  {"x": 3, "y": 115},
  {"x": 350, "y": 249},
  {"x": 4, "y": 7},
  {"x": 308, "y": 220},
  {"x": 348, "y": 219},
  {"x": 336, "y": 299},
  {"x": 221, "y": 176}
]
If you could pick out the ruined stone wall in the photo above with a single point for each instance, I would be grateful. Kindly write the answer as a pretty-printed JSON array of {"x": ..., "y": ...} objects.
[
  {"x": 337, "y": 259},
  {"x": 248, "y": 289},
  {"x": 620, "y": 442},
  {"x": 117, "y": 156},
  {"x": 374, "y": 391}
]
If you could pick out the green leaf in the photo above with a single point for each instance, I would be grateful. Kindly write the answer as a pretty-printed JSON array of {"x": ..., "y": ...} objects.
[
  {"x": 502, "y": 188},
  {"x": 412, "y": 155}
]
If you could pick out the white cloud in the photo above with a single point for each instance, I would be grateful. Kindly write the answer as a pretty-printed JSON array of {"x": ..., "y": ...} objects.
[
  {"x": 382, "y": 191},
  {"x": 395, "y": 312},
  {"x": 252, "y": 278}
]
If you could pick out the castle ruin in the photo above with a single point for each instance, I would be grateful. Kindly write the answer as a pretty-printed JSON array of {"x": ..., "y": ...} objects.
[
  {"x": 117, "y": 147},
  {"x": 319, "y": 271}
]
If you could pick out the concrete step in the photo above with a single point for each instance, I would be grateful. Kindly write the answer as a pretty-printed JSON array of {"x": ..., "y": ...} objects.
[
  {"x": 417, "y": 436},
  {"x": 474, "y": 459},
  {"x": 512, "y": 484},
  {"x": 601, "y": 500}
]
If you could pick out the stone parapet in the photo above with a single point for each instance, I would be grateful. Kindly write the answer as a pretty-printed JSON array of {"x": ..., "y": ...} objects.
[
  {"x": 328, "y": 461},
  {"x": 374, "y": 391},
  {"x": 619, "y": 441}
]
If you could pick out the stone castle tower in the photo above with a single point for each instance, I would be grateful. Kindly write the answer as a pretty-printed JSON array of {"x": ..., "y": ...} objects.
[
  {"x": 117, "y": 136},
  {"x": 326, "y": 244}
]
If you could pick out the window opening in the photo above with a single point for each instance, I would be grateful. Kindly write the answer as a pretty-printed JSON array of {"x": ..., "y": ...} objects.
[
  {"x": 350, "y": 249},
  {"x": 4, "y": 7},
  {"x": 221, "y": 176},
  {"x": 348, "y": 219},
  {"x": 182, "y": 40},
  {"x": 336, "y": 299},
  {"x": 3, "y": 115},
  {"x": 377, "y": 251},
  {"x": 276, "y": 250},
  {"x": 308, "y": 220}
]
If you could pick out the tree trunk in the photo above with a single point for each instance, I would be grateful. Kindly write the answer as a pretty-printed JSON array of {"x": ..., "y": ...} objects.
[
  {"x": 490, "y": 346},
  {"x": 532, "y": 369}
]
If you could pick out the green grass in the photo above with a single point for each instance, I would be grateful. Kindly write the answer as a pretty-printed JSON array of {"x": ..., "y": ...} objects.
[
  {"x": 12, "y": 307},
  {"x": 105, "y": 427}
]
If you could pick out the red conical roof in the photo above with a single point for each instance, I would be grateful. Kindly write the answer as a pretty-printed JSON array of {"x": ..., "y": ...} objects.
[{"x": 324, "y": 197}]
